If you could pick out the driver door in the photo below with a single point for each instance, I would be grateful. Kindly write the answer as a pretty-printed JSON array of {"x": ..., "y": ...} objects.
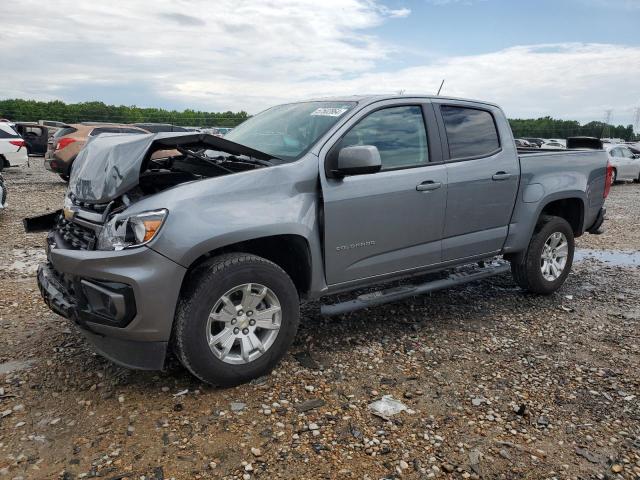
[{"x": 390, "y": 221}]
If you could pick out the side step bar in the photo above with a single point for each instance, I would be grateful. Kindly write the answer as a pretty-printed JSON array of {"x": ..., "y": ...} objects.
[{"x": 398, "y": 293}]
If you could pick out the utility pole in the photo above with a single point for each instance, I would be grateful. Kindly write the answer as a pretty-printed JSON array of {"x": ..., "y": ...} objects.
[
  {"x": 607, "y": 119},
  {"x": 636, "y": 121}
]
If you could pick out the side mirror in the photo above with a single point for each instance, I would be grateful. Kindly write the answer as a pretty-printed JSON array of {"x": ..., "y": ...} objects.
[{"x": 358, "y": 159}]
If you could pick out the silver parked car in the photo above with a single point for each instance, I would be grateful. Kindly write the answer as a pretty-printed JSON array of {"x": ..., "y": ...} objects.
[{"x": 625, "y": 163}]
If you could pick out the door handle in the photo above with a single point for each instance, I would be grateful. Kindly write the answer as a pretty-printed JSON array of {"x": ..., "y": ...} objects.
[
  {"x": 428, "y": 185},
  {"x": 501, "y": 176}
]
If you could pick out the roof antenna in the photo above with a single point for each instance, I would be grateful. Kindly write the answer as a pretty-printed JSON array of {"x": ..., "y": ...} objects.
[{"x": 440, "y": 87}]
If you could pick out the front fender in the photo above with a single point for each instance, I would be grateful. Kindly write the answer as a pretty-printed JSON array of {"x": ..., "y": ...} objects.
[{"x": 217, "y": 212}]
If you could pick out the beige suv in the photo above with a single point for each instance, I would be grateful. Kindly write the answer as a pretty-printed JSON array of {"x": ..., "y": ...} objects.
[{"x": 67, "y": 142}]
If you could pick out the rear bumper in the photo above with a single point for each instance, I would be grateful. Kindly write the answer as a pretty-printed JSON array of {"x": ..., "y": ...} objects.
[
  {"x": 124, "y": 302},
  {"x": 17, "y": 159},
  {"x": 596, "y": 228},
  {"x": 55, "y": 165}
]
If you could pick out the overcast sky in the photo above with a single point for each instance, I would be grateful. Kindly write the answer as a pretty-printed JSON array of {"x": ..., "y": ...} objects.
[{"x": 571, "y": 59}]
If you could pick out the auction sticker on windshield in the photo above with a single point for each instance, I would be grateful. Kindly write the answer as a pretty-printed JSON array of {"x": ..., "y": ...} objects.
[{"x": 328, "y": 111}]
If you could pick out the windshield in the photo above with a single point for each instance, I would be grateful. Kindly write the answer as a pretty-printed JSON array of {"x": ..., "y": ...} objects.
[{"x": 288, "y": 131}]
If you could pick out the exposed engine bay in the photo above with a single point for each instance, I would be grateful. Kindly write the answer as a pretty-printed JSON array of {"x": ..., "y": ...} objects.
[
  {"x": 187, "y": 164},
  {"x": 111, "y": 166}
]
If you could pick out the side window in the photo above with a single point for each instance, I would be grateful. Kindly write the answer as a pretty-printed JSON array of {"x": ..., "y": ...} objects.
[
  {"x": 470, "y": 132},
  {"x": 8, "y": 132},
  {"x": 626, "y": 153},
  {"x": 614, "y": 152},
  {"x": 399, "y": 134}
]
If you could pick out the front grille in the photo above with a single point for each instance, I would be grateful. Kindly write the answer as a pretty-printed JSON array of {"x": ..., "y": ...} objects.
[
  {"x": 94, "y": 207},
  {"x": 75, "y": 237}
]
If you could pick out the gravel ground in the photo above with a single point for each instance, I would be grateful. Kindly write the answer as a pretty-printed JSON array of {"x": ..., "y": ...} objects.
[{"x": 497, "y": 383}]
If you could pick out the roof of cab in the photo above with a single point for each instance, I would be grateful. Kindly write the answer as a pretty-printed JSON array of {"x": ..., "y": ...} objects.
[{"x": 372, "y": 98}]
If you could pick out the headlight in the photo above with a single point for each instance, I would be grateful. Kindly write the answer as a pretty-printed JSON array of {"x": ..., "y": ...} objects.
[{"x": 125, "y": 232}]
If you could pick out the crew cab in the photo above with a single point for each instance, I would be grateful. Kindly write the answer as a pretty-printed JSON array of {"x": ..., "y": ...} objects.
[{"x": 211, "y": 249}]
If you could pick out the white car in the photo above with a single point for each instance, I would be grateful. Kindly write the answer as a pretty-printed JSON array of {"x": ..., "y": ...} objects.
[
  {"x": 13, "y": 150},
  {"x": 552, "y": 145},
  {"x": 626, "y": 164}
]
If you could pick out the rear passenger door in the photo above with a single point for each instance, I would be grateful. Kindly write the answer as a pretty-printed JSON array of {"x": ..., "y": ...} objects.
[
  {"x": 483, "y": 172},
  {"x": 389, "y": 221}
]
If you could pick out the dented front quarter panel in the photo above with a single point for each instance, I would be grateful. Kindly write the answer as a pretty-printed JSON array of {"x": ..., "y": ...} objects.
[{"x": 220, "y": 211}]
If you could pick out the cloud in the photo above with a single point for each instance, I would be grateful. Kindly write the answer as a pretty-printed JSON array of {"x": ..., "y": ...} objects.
[
  {"x": 183, "y": 19},
  {"x": 249, "y": 55}
]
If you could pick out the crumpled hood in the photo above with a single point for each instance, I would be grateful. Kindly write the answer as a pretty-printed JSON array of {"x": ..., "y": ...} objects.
[{"x": 109, "y": 165}]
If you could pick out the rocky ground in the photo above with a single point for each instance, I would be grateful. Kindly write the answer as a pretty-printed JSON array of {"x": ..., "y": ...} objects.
[{"x": 496, "y": 383}]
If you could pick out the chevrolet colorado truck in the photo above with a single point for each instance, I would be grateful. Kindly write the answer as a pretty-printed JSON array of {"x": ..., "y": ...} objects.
[{"x": 210, "y": 250}]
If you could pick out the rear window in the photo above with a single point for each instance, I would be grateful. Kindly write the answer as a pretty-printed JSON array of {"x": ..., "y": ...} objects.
[
  {"x": 7, "y": 132},
  {"x": 100, "y": 130},
  {"x": 64, "y": 131},
  {"x": 471, "y": 132},
  {"x": 131, "y": 130}
]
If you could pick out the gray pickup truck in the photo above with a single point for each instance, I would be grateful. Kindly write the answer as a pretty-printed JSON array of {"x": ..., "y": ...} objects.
[{"x": 209, "y": 247}]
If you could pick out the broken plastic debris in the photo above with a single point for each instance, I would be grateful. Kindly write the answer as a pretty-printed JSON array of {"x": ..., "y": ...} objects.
[{"x": 387, "y": 406}]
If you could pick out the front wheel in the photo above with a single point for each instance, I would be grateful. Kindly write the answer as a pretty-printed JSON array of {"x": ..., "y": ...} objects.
[
  {"x": 547, "y": 262},
  {"x": 237, "y": 317}
]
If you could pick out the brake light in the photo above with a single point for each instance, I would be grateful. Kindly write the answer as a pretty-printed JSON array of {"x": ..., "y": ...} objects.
[
  {"x": 17, "y": 143},
  {"x": 64, "y": 142},
  {"x": 607, "y": 180}
]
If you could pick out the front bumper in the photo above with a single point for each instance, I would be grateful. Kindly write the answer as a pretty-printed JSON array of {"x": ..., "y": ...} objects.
[{"x": 123, "y": 301}]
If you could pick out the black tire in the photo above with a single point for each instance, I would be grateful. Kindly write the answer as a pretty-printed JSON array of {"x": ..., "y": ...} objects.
[
  {"x": 614, "y": 176},
  {"x": 3, "y": 163},
  {"x": 526, "y": 270},
  {"x": 205, "y": 287}
]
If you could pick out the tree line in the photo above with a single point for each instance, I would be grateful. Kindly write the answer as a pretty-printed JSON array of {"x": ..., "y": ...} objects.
[
  {"x": 32, "y": 110},
  {"x": 547, "y": 127}
]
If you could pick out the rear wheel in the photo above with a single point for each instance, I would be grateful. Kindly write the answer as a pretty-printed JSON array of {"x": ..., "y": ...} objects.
[
  {"x": 237, "y": 317},
  {"x": 547, "y": 262},
  {"x": 3, "y": 163}
]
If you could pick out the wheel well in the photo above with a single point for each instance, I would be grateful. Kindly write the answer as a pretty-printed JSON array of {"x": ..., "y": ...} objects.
[
  {"x": 571, "y": 209},
  {"x": 289, "y": 252}
]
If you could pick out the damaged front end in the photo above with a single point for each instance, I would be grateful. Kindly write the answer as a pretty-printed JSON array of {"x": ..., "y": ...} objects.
[{"x": 95, "y": 273}]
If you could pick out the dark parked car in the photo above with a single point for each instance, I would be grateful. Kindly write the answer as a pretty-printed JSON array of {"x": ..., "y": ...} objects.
[{"x": 35, "y": 137}]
